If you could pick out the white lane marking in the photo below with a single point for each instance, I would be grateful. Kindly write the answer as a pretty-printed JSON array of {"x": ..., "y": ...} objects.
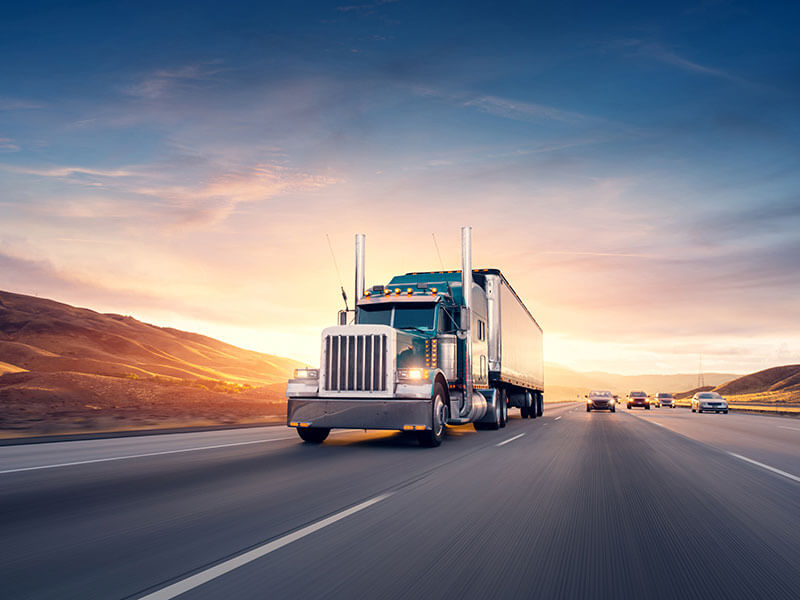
[
  {"x": 792, "y": 428},
  {"x": 767, "y": 467},
  {"x": 516, "y": 437},
  {"x": 99, "y": 460},
  {"x": 556, "y": 419},
  {"x": 176, "y": 589}
]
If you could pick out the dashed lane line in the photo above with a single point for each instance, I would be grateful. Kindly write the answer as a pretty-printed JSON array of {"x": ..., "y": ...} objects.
[
  {"x": 767, "y": 467},
  {"x": 516, "y": 437},
  {"x": 113, "y": 458},
  {"x": 183, "y": 586}
]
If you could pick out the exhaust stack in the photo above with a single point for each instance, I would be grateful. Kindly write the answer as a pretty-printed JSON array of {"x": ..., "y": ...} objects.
[
  {"x": 466, "y": 315},
  {"x": 360, "y": 251}
]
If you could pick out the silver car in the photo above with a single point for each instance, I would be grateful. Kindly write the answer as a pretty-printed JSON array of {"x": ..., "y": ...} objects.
[
  {"x": 665, "y": 399},
  {"x": 709, "y": 401}
]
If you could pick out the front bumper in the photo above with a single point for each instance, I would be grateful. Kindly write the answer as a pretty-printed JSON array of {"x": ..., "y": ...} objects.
[
  {"x": 601, "y": 405},
  {"x": 359, "y": 413}
]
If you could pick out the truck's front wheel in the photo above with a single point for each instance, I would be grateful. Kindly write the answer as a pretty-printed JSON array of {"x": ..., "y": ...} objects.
[
  {"x": 313, "y": 435},
  {"x": 434, "y": 436}
]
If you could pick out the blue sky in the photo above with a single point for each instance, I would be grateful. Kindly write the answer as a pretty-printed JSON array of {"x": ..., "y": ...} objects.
[{"x": 633, "y": 168}]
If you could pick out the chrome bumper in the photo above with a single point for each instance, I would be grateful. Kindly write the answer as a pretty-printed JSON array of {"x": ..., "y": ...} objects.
[{"x": 359, "y": 413}]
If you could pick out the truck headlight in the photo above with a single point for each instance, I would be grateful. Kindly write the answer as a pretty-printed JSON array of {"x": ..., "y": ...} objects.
[
  {"x": 306, "y": 373},
  {"x": 412, "y": 374}
]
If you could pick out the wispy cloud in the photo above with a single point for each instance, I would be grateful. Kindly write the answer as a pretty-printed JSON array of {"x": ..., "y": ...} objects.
[
  {"x": 365, "y": 7},
  {"x": 18, "y": 104},
  {"x": 8, "y": 145},
  {"x": 504, "y": 107},
  {"x": 522, "y": 111},
  {"x": 163, "y": 82},
  {"x": 661, "y": 53},
  {"x": 65, "y": 171}
]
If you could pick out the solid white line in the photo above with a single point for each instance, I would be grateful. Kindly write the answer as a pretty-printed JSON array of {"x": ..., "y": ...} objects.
[
  {"x": 767, "y": 467},
  {"x": 516, "y": 437},
  {"x": 99, "y": 460},
  {"x": 792, "y": 428},
  {"x": 556, "y": 419},
  {"x": 176, "y": 589}
]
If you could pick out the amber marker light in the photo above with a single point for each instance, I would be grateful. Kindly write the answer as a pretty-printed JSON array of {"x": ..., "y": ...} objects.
[
  {"x": 409, "y": 291},
  {"x": 433, "y": 291},
  {"x": 396, "y": 291}
]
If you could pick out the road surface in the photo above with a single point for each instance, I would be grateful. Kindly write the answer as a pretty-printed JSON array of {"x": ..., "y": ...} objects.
[{"x": 636, "y": 504}]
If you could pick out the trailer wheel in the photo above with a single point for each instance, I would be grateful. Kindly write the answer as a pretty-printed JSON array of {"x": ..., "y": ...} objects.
[
  {"x": 524, "y": 412},
  {"x": 313, "y": 435},
  {"x": 540, "y": 404},
  {"x": 504, "y": 410},
  {"x": 434, "y": 436}
]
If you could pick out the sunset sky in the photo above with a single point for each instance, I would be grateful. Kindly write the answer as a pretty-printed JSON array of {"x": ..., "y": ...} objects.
[{"x": 634, "y": 170}]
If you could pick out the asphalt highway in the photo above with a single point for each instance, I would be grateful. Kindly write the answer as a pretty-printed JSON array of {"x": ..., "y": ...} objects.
[{"x": 635, "y": 504}]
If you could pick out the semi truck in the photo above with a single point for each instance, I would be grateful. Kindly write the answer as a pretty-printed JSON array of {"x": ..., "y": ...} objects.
[{"x": 427, "y": 350}]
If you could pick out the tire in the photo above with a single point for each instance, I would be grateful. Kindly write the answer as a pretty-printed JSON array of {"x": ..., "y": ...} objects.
[
  {"x": 613, "y": 409},
  {"x": 504, "y": 411},
  {"x": 725, "y": 412},
  {"x": 693, "y": 409},
  {"x": 647, "y": 407},
  {"x": 539, "y": 404},
  {"x": 523, "y": 412},
  {"x": 434, "y": 436},
  {"x": 629, "y": 406},
  {"x": 313, "y": 435},
  {"x": 588, "y": 408}
]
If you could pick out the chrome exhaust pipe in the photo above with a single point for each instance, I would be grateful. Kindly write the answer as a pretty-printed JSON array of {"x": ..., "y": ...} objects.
[
  {"x": 466, "y": 316},
  {"x": 360, "y": 251}
]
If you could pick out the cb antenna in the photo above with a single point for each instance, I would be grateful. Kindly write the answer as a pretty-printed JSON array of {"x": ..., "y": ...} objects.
[
  {"x": 338, "y": 274},
  {"x": 441, "y": 262},
  {"x": 436, "y": 243}
]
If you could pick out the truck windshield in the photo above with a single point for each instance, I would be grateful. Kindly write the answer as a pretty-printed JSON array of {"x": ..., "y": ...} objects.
[{"x": 399, "y": 317}]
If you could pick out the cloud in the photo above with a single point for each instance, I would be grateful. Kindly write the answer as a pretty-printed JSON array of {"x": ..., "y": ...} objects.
[
  {"x": 365, "y": 7},
  {"x": 521, "y": 111},
  {"x": 164, "y": 82},
  {"x": 17, "y": 104},
  {"x": 215, "y": 199},
  {"x": 64, "y": 171},
  {"x": 656, "y": 51},
  {"x": 503, "y": 107},
  {"x": 8, "y": 145}
]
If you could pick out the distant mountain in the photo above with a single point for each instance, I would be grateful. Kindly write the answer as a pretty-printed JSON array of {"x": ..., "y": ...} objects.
[
  {"x": 562, "y": 377},
  {"x": 64, "y": 368}
]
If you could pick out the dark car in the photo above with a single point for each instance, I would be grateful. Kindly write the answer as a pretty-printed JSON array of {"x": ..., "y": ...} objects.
[
  {"x": 600, "y": 400},
  {"x": 638, "y": 399}
]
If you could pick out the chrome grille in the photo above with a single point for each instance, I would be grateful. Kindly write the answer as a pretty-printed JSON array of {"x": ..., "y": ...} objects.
[{"x": 355, "y": 363}]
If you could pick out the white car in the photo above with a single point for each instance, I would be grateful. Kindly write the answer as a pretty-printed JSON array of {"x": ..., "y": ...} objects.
[{"x": 709, "y": 401}]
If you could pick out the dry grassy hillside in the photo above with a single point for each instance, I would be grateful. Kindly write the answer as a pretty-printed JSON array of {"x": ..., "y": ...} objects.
[
  {"x": 63, "y": 368},
  {"x": 776, "y": 379}
]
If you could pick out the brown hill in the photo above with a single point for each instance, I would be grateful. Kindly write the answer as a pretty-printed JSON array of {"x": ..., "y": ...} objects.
[
  {"x": 775, "y": 379},
  {"x": 63, "y": 367}
]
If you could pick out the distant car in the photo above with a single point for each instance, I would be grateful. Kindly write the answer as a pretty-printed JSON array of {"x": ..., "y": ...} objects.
[
  {"x": 601, "y": 400},
  {"x": 709, "y": 401},
  {"x": 638, "y": 399},
  {"x": 665, "y": 399},
  {"x": 654, "y": 401}
]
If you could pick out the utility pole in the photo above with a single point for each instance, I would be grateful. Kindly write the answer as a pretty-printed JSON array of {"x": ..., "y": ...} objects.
[{"x": 701, "y": 380}]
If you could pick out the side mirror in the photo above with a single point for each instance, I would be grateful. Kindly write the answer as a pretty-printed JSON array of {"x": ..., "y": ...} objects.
[
  {"x": 616, "y": 397},
  {"x": 342, "y": 317},
  {"x": 585, "y": 396}
]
